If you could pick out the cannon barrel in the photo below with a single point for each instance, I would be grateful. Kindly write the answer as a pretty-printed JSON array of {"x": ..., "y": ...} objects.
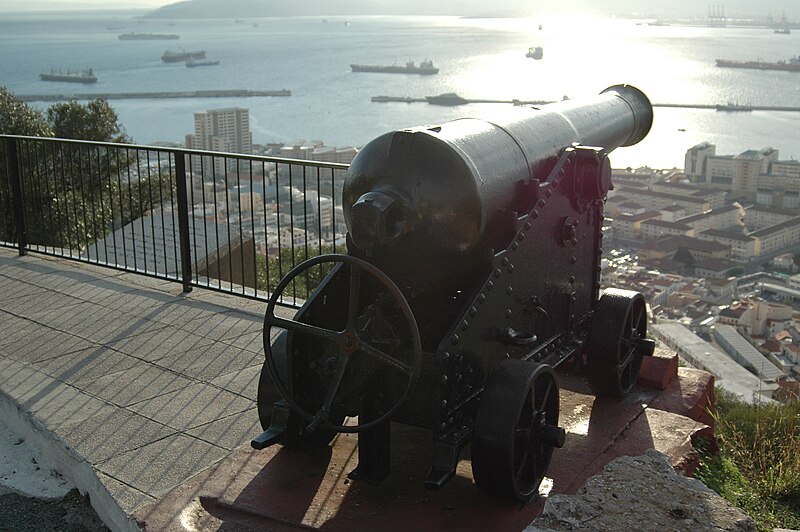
[{"x": 438, "y": 190}]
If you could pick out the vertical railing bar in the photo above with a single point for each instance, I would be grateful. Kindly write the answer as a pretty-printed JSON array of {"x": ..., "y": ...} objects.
[
  {"x": 241, "y": 228},
  {"x": 104, "y": 223},
  {"x": 83, "y": 203},
  {"x": 50, "y": 194},
  {"x": 161, "y": 208},
  {"x": 70, "y": 225},
  {"x": 216, "y": 223},
  {"x": 171, "y": 158},
  {"x": 130, "y": 205},
  {"x": 278, "y": 223},
  {"x": 16, "y": 195},
  {"x": 305, "y": 227},
  {"x": 32, "y": 181},
  {"x": 333, "y": 206},
  {"x": 122, "y": 222},
  {"x": 91, "y": 195},
  {"x": 253, "y": 232},
  {"x": 205, "y": 216},
  {"x": 183, "y": 221},
  {"x": 291, "y": 231},
  {"x": 113, "y": 229},
  {"x": 139, "y": 211},
  {"x": 152, "y": 210},
  {"x": 227, "y": 224},
  {"x": 266, "y": 236}
]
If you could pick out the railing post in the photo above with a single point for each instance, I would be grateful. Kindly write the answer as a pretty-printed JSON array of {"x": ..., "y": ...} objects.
[
  {"x": 16, "y": 194},
  {"x": 183, "y": 221}
]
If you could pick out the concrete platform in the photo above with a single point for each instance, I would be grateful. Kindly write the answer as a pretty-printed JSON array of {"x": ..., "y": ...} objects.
[{"x": 145, "y": 398}]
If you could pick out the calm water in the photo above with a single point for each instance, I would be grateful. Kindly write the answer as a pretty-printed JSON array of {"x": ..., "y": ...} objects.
[{"x": 478, "y": 58}]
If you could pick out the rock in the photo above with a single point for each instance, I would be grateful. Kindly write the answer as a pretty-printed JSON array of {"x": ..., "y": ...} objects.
[{"x": 632, "y": 489}]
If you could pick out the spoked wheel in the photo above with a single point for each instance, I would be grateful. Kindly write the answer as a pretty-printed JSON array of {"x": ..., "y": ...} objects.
[
  {"x": 516, "y": 429},
  {"x": 617, "y": 342},
  {"x": 346, "y": 357}
]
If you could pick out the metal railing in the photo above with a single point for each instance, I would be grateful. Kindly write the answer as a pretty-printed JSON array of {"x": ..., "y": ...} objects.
[{"x": 228, "y": 222}]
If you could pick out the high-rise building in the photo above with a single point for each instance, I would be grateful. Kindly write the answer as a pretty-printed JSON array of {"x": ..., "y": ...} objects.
[{"x": 223, "y": 130}]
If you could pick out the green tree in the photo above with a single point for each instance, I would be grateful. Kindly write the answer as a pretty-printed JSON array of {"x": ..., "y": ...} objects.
[
  {"x": 271, "y": 270},
  {"x": 96, "y": 120},
  {"x": 74, "y": 194}
]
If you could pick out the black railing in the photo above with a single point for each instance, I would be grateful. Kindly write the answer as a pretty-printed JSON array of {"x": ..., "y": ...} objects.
[{"x": 229, "y": 222}]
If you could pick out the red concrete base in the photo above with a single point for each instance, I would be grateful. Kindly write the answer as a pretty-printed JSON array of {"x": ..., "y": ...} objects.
[{"x": 282, "y": 489}]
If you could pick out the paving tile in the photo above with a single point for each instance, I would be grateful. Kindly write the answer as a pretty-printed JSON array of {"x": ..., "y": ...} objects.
[
  {"x": 16, "y": 288},
  {"x": 227, "y": 325},
  {"x": 139, "y": 383},
  {"x": 207, "y": 362},
  {"x": 54, "y": 403},
  {"x": 180, "y": 312},
  {"x": 145, "y": 303},
  {"x": 42, "y": 306},
  {"x": 243, "y": 382},
  {"x": 109, "y": 433},
  {"x": 128, "y": 498},
  {"x": 82, "y": 368},
  {"x": 102, "y": 325},
  {"x": 13, "y": 327},
  {"x": 191, "y": 406},
  {"x": 43, "y": 343},
  {"x": 230, "y": 432},
  {"x": 160, "y": 342},
  {"x": 160, "y": 466}
]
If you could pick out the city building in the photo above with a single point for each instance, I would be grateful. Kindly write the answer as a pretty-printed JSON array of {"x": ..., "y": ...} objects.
[{"x": 222, "y": 130}]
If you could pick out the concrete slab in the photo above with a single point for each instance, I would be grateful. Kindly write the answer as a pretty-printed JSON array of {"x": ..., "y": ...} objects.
[
  {"x": 160, "y": 466},
  {"x": 82, "y": 368},
  {"x": 191, "y": 406},
  {"x": 231, "y": 432},
  {"x": 113, "y": 432},
  {"x": 209, "y": 361},
  {"x": 140, "y": 383},
  {"x": 243, "y": 382},
  {"x": 41, "y": 343},
  {"x": 157, "y": 341}
]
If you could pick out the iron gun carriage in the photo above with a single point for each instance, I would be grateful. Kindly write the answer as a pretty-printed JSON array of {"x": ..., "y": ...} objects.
[{"x": 472, "y": 271}]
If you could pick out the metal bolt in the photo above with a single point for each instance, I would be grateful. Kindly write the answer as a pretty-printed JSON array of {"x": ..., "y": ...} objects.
[
  {"x": 504, "y": 262},
  {"x": 508, "y": 313},
  {"x": 473, "y": 311},
  {"x": 534, "y": 214},
  {"x": 498, "y": 273},
  {"x": 572, "y": 279},
  {"x": 526, "y": 225},
  {"x": 573, "y": 260},
  {"x": 464, "y": 325},
  {"x": 482, "y": 297},
  {"x": 489, "y": 285},
  {"x": 510, "y": 290},
  {"x": 541, "y": 203},
  {"x": 446, "y": 355},
  {"x": 510, "y": 268},
  {"x": 548, "y": 192},
  {"x": 454, "y": 339},
  {"x": 514, "y": 246}
]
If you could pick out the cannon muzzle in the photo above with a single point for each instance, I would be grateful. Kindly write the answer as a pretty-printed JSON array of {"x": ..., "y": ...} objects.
[{"x": 435, "y": 190}]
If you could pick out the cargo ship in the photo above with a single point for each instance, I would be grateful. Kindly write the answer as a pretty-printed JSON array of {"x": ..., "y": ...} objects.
[
  {"x": 201, "y": 62},
  {"x": 133, "y": 36},
  {"x": 174, "y": 57},
  {"x": 425, "y": 68},
  {"x": 792, "y": 65},
  {"x": 81, "y": 76}
]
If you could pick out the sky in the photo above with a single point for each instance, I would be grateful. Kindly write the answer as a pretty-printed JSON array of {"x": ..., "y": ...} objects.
[{"x": 664, "y": 8}]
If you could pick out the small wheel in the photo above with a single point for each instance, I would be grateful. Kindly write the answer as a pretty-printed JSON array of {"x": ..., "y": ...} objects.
[
  {"x": 617, "y": 342},
  {"x": 348, "y": 345},
  {"x": 516, "y": 429}
]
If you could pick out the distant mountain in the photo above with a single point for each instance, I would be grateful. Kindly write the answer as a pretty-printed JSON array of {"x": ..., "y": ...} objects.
[{"x": 652, "y": 8}]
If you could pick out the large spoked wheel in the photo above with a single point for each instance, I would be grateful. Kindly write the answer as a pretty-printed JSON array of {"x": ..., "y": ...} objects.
[
  {"x": 617, "y": 342},
  {"x": 516, "y": 430},
  {"x": 348, "y": 347}
]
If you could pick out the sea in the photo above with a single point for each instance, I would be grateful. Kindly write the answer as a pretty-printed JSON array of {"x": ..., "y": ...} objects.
[{"x": 478, "y": 58}]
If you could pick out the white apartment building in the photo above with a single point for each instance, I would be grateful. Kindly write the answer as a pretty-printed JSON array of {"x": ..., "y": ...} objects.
[{"x": 223, "y": 130}]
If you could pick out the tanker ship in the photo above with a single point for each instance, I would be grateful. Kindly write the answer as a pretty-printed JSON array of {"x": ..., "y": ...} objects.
[
  {"x": 792, "y": 65},
  {"x": 425, "y": 68},
  {"x": 82, "y": 76}
]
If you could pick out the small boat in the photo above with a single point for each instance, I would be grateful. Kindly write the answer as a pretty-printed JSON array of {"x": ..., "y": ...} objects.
[
  {"x": 82, "y": 76},
  {"x": 174, "y": 57},
  {"x": 536, "y": 52},
  {"x": 201, "y": 62},
  {"x": 425, "y": 68}
]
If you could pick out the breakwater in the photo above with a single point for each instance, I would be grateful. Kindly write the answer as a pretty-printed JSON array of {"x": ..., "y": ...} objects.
[
  {"x": 453, "y": 99},
  {"x": 225, "y": 93}
]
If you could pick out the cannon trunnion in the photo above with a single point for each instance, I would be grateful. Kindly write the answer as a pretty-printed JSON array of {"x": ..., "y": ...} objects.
[{"x": 472, "y": 271}]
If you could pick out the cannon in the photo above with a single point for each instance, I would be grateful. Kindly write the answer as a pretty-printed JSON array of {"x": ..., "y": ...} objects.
[{"x": 472, "y": 271}]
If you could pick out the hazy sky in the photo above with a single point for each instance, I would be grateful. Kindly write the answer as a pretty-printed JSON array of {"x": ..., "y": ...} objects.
[{"x": 664, "y": 8}]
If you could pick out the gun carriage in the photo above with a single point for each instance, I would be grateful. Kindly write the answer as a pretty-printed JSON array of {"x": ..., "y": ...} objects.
[{"x": 472, "y": 271}]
